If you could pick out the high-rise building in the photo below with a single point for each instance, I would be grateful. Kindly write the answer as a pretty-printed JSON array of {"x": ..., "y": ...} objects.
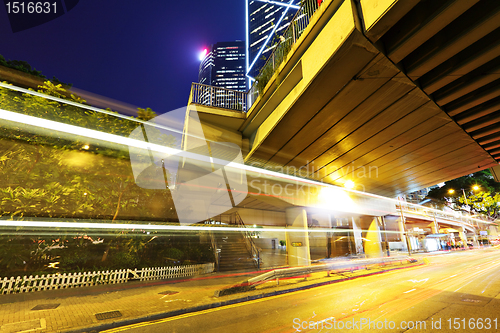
[
  {"x": 266, "y": 21},
  {"x": 224, "y": 66}
]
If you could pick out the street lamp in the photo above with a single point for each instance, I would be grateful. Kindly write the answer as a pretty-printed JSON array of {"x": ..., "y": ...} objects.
[
  {"x": 475, "y": 188},
  {"x": 349, "y": 184}
]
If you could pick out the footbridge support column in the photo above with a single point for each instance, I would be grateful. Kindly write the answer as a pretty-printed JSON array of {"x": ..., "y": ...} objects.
[
  {"x": 297, "y": 242},
  {"x": 463, "y": 236},
  {"x": 372, "y": 236}
]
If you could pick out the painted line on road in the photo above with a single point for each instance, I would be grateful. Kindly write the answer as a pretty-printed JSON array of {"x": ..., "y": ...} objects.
[
  {"x": 192, "y": 314},
  {"x": 266, "y": 298}
]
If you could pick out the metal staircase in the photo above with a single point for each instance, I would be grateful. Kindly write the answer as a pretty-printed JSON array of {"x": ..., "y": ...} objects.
[{"x": 235, "y": 250}]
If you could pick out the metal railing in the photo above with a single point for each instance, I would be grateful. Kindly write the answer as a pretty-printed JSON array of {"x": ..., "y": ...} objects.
[
  {"x": 281, "y": 49},
  {"x": 216, "y": 250},
  {"x": 327, "y": 267},
  {"x": 252, "y": 249},
  {"x": 434, "y": 213},
  {"x": 203, "y": 94}
]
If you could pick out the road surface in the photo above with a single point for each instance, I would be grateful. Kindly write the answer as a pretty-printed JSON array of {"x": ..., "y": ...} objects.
[{"x": 456, "y": 292}]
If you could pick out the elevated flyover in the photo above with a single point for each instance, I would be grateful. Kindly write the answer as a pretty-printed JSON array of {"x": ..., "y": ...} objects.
[{"x": 396, "y": 95}]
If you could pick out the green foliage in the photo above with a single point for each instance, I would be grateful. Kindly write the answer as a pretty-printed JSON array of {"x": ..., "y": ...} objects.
[
  {"x": 484, "y": 201},
  {"x": 20, "y": 65},
  {"x": 282, "y": 46},
  {"x": 263, "y": 78},
  {"x": 53, "y": 176},
  {"x": 25, "y": 67},
  {"x": 145, "y": 114}
]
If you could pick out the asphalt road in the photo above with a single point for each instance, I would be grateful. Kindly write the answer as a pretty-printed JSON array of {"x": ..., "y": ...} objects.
[{"x": 457, "y": 292}]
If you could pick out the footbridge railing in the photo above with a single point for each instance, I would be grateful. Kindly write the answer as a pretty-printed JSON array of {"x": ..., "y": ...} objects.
[
  {"x": 203, "y": 94},
  {"x": 207, "y": 95},
  {"x": 435, "y": 214}
]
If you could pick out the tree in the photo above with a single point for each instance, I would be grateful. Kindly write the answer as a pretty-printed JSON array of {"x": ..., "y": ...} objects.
[
  {"x": 48, "y": 175},
  {"x": 477, "y": 193},
  {"x": 25, "y": 67}
]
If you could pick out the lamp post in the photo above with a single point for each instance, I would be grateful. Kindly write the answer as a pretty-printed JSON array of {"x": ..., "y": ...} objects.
[{"x": 474, "y": 188}]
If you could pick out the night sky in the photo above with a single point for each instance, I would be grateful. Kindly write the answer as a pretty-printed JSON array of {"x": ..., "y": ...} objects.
[{"x": 144, "y": 53}]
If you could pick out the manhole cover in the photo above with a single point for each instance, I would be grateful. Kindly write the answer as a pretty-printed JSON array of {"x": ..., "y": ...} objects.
[
  {"x": 108, "y": 315},
  {"x": 169, "y": 292},
  {"x": 471, "y": 300},
  {"x": 24, "y": 326},
  {"x": 46, "y": 306}
]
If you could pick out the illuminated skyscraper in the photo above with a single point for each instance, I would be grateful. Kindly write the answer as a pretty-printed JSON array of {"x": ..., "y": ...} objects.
[
  {"x": 224, "y": 66},
  {"x": 266, "y": 21}
]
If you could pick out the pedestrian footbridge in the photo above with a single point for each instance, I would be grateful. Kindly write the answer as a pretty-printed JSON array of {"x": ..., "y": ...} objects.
[{"x": 395, "y": 95}]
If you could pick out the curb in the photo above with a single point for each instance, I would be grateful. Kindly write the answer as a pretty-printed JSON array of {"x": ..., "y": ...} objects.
[{"x": 174, "y": 313}]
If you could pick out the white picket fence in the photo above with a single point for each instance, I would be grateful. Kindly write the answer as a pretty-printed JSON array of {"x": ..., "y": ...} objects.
[{"x": 74, "y": 280}]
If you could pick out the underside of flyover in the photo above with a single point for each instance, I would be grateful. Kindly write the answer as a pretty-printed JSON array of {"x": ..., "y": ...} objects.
[
  {"x": 395, "y": 101},
  {"x": 396, "y": 95}
]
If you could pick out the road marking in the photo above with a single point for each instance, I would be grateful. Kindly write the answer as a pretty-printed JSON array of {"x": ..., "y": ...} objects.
[
  {"x": 417, "y": 281},
  {"x": 409, "y": 291},
  {"x": 192, "y": 314}
]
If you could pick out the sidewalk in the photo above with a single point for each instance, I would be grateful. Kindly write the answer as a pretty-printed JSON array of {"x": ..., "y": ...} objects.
[{"x": 78, "y": 310}]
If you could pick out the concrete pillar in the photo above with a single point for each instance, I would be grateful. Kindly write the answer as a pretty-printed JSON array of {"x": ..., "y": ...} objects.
[
  {"x": 435, "y": 226},
  {"x": 297, "y": 243},
  {"x": 358, "y": 237},
  {"x": 493, "y": 231},
  {"x": 463, "y": 236},
  {"x": 402, "y": 233},
  {"x": 475, "y": 242},
  {"x": 372, "y": 237}
]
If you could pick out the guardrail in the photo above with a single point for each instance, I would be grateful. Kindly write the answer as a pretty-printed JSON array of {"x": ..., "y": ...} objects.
[
  {"x": 327, "y": 267},
  {"x": 203, "y": 94}
]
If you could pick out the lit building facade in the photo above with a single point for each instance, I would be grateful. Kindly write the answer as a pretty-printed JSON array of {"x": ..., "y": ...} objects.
[
  {"x": 224, "y": 66},
  {"x": 266, "y": 21}
]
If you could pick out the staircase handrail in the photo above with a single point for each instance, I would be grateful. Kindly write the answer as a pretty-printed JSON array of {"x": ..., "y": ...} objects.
[
  {"x": 250, "y": 244},
  {"x": 213, "y": 240}
]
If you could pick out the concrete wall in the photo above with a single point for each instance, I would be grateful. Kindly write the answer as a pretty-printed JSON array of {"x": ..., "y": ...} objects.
[
  {"x": 262, "y": 217},
  {"x": 266, "y": 243}
]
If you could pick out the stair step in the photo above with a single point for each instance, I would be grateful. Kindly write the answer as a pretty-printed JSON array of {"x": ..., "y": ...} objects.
[{"x": 234, "y": 253}]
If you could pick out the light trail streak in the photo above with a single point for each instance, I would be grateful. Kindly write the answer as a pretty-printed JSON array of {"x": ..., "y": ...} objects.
[
  {"x": 98, "y": 225},
  {"x": 94, "y": 134}
]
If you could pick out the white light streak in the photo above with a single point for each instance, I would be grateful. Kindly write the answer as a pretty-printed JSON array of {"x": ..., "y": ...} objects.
[
  {"x": 282, "y": 4},
  {"x": 269, "y": 37},
  {"x": 115, "y": 226}
]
